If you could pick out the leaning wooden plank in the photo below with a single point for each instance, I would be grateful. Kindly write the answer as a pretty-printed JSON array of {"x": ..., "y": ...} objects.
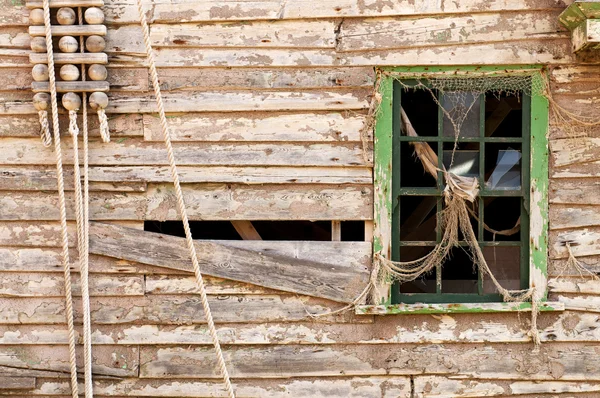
[
  {"x": 339, "y": 387},
  {"x": 334, "y": 282},
  {"x": 304, "y": 126},
  {"x": 211, "y": 101},
  {"x": 552, "y": 51},
  {"x": 121, "y": 361},
  {"x": 238, "y": 175},
  {"x": 173, "y": 310},
  {"x": 204, "y": 202},
  {"x": 48, "y": 285},
  {"x": 132, "y": 152},
  {"x": 246, "y": 230},
  {"x": 574, "y": 362},
  {"x": 16, "y": 383},
  {"x": 393, "y": 33},
  {"x": 268, "y": 34}
]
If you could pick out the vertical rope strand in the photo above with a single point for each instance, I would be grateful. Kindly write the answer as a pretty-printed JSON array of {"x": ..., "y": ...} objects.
[
  {"x": 83, "y": 226},
  {"x": 45, "y": 129},
  {"x": 61, "y": 200},
  {"x": 181, "y": 203}
]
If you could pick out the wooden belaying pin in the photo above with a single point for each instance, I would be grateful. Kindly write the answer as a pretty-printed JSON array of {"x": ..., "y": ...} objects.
[
  {"x": 69, "y": 73},
  {"x": 40, "y": 73},
  {"x": 95, "y": 44},
  {"x": 36, "y": 16},
  {"x": 71, "y": 101},
  {"x": 94, "y": 16},
  {"x": 41, "y": 102},
  {"x": 65, "y": 16},
  {"x": 38, "y": 44},
  {"x": 99, "y": 102},
  {"x": 97, "y": 72},
  {"x": 68, "y": 44}
]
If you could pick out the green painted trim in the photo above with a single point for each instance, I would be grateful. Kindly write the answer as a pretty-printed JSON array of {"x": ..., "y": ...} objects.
[
  {"x": 538, "y": 248},
  {"x": 578, "y": 12},
  {"x": 426, "y": 309}
]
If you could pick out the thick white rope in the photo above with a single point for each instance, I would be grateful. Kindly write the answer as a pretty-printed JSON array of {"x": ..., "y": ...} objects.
[
  {"x": 45, "y": 129},
  {"x": 181, "y": 203},
  {"x": 104, "y": 132},
  {"x": 61, "y": 200},
  {"x": 82, "y": 203}
]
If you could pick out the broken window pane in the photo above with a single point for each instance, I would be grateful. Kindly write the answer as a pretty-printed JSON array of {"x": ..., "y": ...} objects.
[
  {"x": 503, "y": 166},
  {"x": 464, "y": 110},
  {"x": 504, "y": 265}
]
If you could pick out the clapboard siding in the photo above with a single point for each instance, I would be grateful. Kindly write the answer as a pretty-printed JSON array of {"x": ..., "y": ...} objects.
[{"x": 267, "y": 101}]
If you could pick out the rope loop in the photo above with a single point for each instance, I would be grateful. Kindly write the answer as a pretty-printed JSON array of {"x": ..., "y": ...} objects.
[
  {"x": 45, "y": 134},
  {"x": 104, "y": 131},
  {"x": 73, "y": 128}
]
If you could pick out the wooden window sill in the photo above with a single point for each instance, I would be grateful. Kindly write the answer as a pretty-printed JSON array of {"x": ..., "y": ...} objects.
[{"x": 462, "y": 308}]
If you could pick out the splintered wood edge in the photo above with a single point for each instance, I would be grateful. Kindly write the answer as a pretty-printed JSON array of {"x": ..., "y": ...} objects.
[
  {"x": 455, "y": 308},
  {"x": 66, "y": 3}
]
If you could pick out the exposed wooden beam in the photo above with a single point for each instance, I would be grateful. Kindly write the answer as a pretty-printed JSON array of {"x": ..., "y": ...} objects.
[
  {"x": 336, "y": 231},
  {"x": 246, "y": 230}
]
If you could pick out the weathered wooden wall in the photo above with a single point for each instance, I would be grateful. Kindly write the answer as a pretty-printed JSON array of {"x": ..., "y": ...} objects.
[{"x": 266, "y": 100}]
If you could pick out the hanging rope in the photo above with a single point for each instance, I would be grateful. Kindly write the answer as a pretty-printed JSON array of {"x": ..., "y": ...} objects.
[
  {"x": 181, "y": 203},
  {"x": 83, "y": 243},
  {"x": 62, "y": 203}
]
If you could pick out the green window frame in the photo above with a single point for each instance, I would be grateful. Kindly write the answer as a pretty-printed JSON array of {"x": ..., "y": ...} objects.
[{"x": 534, "y": 184}]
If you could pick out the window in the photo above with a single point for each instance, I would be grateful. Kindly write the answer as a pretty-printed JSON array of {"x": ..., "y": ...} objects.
[{"x": 502, "y": 143}]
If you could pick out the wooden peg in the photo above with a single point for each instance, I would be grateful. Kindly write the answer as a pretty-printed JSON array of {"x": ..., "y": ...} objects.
[
  {"x": 98, "y": 100},
  {"x": 94, "y": 16},
  {"x": 71, "y": 101},
  {"x": 38, "y": 44},
  {"x": 36, "y": 16},
  {"x": 65, "y": 16},
  {"x": 40, "y": 73},
  {"x": 95, "y": 44},
  {"x": 69, "y": 73},
  {"x": 41, "y": 101},
  {"x": 97, "y": 72},
  {"x": 68, "y": 44}
]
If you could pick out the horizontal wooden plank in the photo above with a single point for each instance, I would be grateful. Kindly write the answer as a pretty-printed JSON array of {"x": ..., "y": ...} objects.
[
  {"x": 69, "y": 30},
  {"x": 66, "y": 3},
  {"x": 201, "y": 11},
  {"x": 271, "y": 34},
  {"x": 455, "y": 308},
  {"x": 577, "y": 170},
  {"x": 561, "y": 268},
  {"x": 48, "y": 285},
  {"x": 583, "y": 242},
  {"x": 338, "y": 282},
  {"x": 134, "y": 152},
  {"x": 580, "y": 303},
  {"x": 172, "y": 310},
  {"x": 66, "y": 58},
  {"x": 16, "y": 383},
  {"x": 570, "y": 216},
  {"x": 437, "y": 386},
  {"x": 579, "y": 191},
  {"x": 547, "y": 51},
  {"x": 393, "y": 33},
  {"x": 65, "y": 87},
  {"x": 563, "y": 285},
  {"x": 483, "y": 362},
  {"x": 29, "y": 126},
  {"x": 119, "y": 361},
  {"x": 345, "y": 387},
  {"x": 204, "y": 202},
  {"x": 318, "y": 127},
  {"x": 193, "y": 79},
  {"x": 574, "y": 327},
  {"x": 14, "y": 38},
  {"x": 574, "y": 150},
  {"x": 31, "y": 178},
  {"x": 241, "y": 175}
]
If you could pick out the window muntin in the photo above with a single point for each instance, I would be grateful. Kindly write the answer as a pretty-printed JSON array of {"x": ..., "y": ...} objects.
[{"x": 494, "y": 146}]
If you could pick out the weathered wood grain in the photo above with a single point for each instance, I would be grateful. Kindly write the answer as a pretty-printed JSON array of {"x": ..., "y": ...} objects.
[
  {"x": 570, "y": 151},
  {"x": 204, "y": 202},
  {"x": 556, "y": 361},
  {"x": 172, "y": 310},
  {"x": 188, "y": 79},
  {"x": 29, "y": 125},
  {"x": 575, "y": 327},
  {"x": 48, "y": 285},
  {"x": 580, "y": 303},
  {"x": 271, "y": 34},
  {"x": 393, "y": 33},
  {"x": 16, "y": 383},
  {"x": 135, "y": 152},
  {"x": 583, "y": 242},
  {"x": 562, "y": 285},
  {"x": 570, "y": 216},
  {"x": 583, "y": 190},
  {"x": 319, "y": 279},
  {"x": 330, "y": 127},
  {"x": 108, "y": 360},
  {"x": 343, "y": 387},
  {"x": 236, "y": 175}
]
